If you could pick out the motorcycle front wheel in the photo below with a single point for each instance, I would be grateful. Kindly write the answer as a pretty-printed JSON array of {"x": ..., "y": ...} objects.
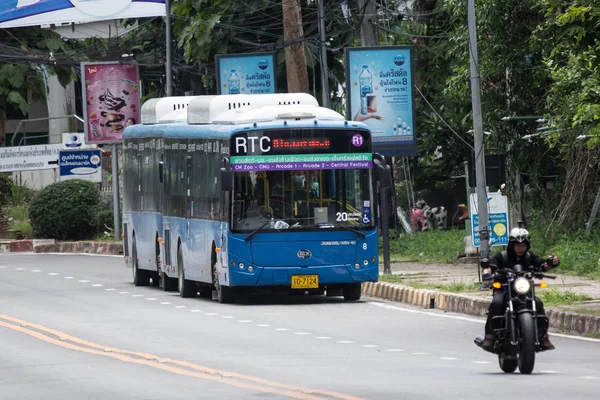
[
  {"x": 507, "y": 365},
  {"x": 526, "y": 357}
]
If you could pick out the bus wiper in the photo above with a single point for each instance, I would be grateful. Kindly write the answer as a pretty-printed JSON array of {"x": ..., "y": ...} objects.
[
  {"x": 359, "y": 233},
  {"x": 254, "y": 232}
]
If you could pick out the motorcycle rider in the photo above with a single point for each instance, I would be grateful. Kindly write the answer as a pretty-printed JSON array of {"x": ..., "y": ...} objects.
[{"x": 517, "y": 252}]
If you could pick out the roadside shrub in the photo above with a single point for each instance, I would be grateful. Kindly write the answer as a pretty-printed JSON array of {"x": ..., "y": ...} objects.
[
  {"x": 65, "y": 210},
  {"x": 6, "y": 185},
  {"x": 105, "y": 220}
]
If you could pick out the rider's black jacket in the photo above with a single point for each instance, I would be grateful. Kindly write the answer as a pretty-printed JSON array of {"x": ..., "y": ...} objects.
[{"x": 529, "y": 260}]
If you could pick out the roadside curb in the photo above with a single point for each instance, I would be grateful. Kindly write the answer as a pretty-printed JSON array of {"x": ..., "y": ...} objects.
[
  {"x": 462, "y": 304},
  {"x": 80, "y": 247}
]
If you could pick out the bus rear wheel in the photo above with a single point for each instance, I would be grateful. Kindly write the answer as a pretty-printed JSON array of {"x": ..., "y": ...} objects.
[
  {"x": 186, "y": 288},
  {"x": 141, "y": 277},
  {"x": 352, "y": 292}
]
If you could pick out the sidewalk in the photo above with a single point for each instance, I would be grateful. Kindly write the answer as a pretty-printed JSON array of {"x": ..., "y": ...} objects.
[{"x": 417, "y": 285}]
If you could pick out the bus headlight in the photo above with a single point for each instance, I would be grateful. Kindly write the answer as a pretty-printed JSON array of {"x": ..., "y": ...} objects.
[
  {"x": 366, "y": 262},
  {"x": 250, "y": 268},
  {"x": 241, "y": 265},
  {"x": 522, "y": 286},
  {"x": 357, "y": 266}
]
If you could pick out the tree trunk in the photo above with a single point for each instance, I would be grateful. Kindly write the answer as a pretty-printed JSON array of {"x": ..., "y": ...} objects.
[
  {"x": 295, "y": 59},
  {"x": 3, "y": 105}
]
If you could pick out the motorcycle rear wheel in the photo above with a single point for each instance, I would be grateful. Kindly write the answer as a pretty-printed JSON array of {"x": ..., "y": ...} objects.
[
  {"x": 526, "y": 357},
  {"x": 507, "y": 365}
]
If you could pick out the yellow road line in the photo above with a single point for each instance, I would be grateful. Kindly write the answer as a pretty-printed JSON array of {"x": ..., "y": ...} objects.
[{"x": 297, "y": 392}]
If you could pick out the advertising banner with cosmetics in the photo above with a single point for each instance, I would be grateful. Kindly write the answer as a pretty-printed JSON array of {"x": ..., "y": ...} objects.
[
  {"x": 379, "y": 87},
  {"x": 111, "y": 100},
  {"x": 17, "y": 13},
  {"x": 252, "y": 73}
]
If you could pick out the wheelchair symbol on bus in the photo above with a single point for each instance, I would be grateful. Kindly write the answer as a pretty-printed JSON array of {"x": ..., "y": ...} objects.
[{"x": 366, "y": 219}]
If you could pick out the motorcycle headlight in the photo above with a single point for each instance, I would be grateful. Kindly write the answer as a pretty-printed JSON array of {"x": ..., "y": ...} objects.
[{"x": 522, "y": 285}]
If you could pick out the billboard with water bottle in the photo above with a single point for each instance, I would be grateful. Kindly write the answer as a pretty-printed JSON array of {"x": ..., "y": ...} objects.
[
  {"x": 252, "y": 73},
  {"x": 380, "y": 94}
]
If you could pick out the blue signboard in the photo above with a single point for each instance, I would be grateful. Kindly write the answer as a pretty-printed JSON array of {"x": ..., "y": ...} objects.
[
  {"x": 252, "y": 73},
  {"x": 497, "y": 219},
  {"x": 16, "y": 13},
  {"x": 81, "y": 164},
  {"x": 379, "y": 93}
]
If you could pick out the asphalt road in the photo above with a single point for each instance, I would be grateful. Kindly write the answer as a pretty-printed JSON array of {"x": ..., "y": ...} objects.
[{"x": 76, "y": 327}]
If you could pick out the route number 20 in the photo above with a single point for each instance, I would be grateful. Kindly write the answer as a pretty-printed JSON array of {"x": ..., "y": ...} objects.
[{"x": 341, "y": 216}]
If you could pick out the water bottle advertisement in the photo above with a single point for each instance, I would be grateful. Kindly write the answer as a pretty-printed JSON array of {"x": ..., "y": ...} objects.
[
  {"x": 251, "y": 73},
  {"x": 380, "y": 94}
]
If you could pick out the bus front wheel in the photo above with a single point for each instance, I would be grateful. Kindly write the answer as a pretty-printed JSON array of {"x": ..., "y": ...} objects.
[
  {"x": 352, "y": 292},
  {"x": 186, "y": 288},
  {"x": 225, "y": 294}
]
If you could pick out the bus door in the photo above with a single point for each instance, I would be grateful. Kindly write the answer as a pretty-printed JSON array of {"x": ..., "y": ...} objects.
[{"x": 189, "y": 208}]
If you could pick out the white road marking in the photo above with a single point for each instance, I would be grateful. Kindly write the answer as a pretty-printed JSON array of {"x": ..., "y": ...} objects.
[
  {"x": 97, "y": 285},
  {"x": 482, "y": 362},
  {"x": 110, "y": 290},
  {"x": 468, "y": 319},
  {"x": 166, "y": 302},
  {"x": 84, "y": 281},
  {"x": 591, "y": 378},
  {"x": 181, "y": 307},
  {"x": 346, "y": 341},
  {"x": 19, "y": 269},
  {"x": 323, "y": 338},
  {"x": 394, "y": 350},
  {"x": 137, "y": 295},
  {"x": 370, "y": 346},
  {"x": 282, "y": 329},
  {"x": 2, "y": 266},
  {"x": 53, "y": 273},
  {"x": 69, "y": 277},
  {"x": 212, "y": 313},
  {"x": 263, "y": 325},
  {"x": 449, "y": 358},
  {"x": 301, "y": 333},
  {"x": 195, "y": 310},
  {"x": 227, "y": 317},
  {"x": 151, "y": 298},
  {"x": 244, "y": 321},
  {"x": 550, "y": 371},
  {"x": 123, "y": 292},
  {"x": 421, "y": 354},
  {"x": 36, "y": 270}
]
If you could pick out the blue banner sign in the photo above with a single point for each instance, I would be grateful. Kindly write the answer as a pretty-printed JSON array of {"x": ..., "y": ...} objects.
[
  {"x": 379, "y": 91},
  {"x": 81, "y": 164},
  {"x": 497, "y": 219},
  {"x": 252, "y": 73},
  {"x": 17, "y": 13}
]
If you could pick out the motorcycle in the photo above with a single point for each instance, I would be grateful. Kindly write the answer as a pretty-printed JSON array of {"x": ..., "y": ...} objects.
[{"x": 517, "y": 337}]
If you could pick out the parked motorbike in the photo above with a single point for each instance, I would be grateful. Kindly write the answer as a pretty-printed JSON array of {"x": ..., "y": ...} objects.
[{"x": 517, "y": 336}]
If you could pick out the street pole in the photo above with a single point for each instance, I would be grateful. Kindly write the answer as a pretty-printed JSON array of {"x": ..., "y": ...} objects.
[
  {"x": 324, "y": 74},
  {"x": 115, "y": 190},
  {"x": 481, "y": 190},
  {"x": 169, "y": 67}
]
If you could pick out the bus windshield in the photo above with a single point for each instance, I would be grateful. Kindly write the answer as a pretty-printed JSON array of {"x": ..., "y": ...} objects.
[{"x": 302, "y": 200}]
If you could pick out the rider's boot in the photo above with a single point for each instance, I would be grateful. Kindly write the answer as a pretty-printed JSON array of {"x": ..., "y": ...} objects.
[
  {"x": 545, "y": 343},
  {"x": 485, "y": 342}
]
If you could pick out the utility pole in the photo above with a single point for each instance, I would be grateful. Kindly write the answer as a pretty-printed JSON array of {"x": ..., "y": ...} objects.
[
  {"x": 169, "y": 68},
  {"x": 324, "y": 69},
  {"x": 482, "y": 210},
  {"x": 295, "y": 59},
  {"x": 369, "y": 36}
]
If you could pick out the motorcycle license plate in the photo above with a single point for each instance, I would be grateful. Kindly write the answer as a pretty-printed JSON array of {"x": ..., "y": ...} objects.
[{"x": 305, "y": 281}]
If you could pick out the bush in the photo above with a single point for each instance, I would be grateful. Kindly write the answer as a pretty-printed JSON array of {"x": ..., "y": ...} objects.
[
  {"x": 65, "y": 210},
  {"x": 6, "y": 185},
  {"x": 104, "y": 219}
]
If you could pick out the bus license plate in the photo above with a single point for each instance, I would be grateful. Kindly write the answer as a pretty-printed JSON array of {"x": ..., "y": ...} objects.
[{"x": 305, "y": 281}]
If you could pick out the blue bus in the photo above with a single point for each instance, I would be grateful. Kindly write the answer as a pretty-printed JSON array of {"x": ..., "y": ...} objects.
[{"x": 235, "y": 193}]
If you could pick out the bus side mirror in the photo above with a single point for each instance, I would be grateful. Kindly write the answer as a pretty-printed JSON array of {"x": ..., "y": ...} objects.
[{"x": 226, "y": 176}]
